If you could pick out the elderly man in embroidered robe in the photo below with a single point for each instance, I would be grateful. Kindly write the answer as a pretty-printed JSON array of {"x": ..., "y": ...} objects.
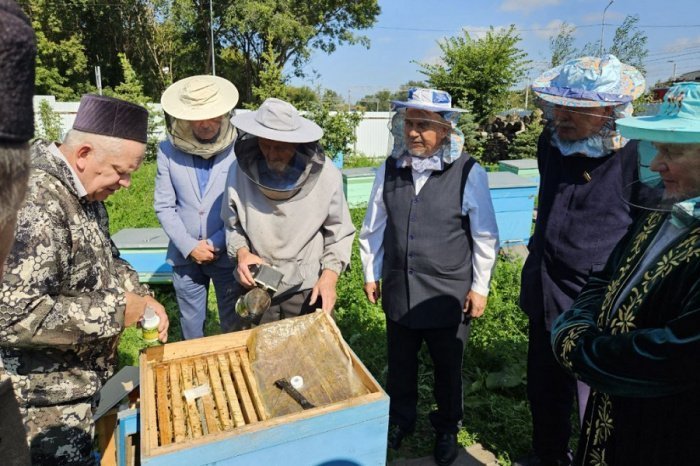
[
  {"x": 66, "y": 295},
  {"x": 633, "y": 333}
]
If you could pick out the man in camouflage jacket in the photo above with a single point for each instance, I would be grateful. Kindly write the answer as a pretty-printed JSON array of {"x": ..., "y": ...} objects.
[{"x": 66, "y": 295}]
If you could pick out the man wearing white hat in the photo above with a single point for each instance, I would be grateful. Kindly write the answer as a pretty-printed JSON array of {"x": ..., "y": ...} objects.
[
  {"x": 192, "y": 167},
  {"x": 285, "y": 207},
  {"x": 584, "y": 167},
  {"x": 430, "y": 235}
]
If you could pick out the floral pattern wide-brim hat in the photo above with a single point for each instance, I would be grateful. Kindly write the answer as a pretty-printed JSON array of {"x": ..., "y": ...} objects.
[{"x": 590, "y": 82}]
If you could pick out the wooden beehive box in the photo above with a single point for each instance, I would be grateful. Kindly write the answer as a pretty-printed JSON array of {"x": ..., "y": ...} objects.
[
  {"x": 357, "y": 185},
  {"x": 527, "y": 168},
  {"x": 230, "y": 425},
  {"x": 513, "y": 201},
  {"x": 146, "y": 250}
]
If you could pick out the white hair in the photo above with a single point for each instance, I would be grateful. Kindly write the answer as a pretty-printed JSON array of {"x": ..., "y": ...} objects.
[{"x": 105, "y": 145}]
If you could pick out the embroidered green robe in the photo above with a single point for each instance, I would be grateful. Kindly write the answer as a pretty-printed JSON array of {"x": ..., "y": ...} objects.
[{"x": 642, "y": 358}]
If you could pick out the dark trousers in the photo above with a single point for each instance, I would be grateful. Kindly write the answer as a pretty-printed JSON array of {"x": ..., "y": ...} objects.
[
  {"x": 446, "y": 347},
  {"x": 291, "y": 305},
  {"x": 191, "y": 284},
  {"x": 551, "y": 392}
]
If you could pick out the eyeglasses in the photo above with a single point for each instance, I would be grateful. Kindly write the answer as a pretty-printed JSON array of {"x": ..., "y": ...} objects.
[{"x": 423, "y": 124}]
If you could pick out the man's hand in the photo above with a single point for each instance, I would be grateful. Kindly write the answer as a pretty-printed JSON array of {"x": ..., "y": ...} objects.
[
  {"x": 135, "y": 307},
  {"x": 325, "y": 287},
  {"x": 203, "y": 252},
  {"x": 164, "y": 321},
  {"x": 245, "y": 260},
  {"x": 373, "y": 291},
  {"x": 474, "y": 304}
]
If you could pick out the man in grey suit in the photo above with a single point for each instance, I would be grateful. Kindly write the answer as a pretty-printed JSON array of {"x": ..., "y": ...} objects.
[{"x": 192, "y": 168}]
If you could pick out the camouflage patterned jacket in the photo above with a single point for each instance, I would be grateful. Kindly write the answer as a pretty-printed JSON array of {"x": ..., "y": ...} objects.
[{"x": 62, "y": 298}]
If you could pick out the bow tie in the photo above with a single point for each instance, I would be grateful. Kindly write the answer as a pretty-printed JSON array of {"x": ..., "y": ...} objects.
[{"x": 421, "y": 164}]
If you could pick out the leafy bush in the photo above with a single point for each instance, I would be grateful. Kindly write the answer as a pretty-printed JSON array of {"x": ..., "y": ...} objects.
[
  {"x": 524, "y": 146},
  {"x": 49, "y": 127},
  {"x": 360, "y": 161},
  {"x": 338, "y": 128}
]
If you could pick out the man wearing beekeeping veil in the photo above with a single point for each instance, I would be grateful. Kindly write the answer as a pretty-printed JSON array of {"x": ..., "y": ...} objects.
[
  {"x": 285, "y": 208},
  {"x": 193, "y": 163},
  {"x": 430, "y": 235},
  {"x": 584, "y": 165}
]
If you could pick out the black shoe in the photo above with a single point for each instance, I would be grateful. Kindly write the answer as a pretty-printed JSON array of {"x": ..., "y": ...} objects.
[
  {"x": 445, "y": 449},
  {"x": 396, "y": 435}
]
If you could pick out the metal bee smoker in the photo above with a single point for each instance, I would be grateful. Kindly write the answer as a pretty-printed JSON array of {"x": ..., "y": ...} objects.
[{"x": 252, "y": 305}]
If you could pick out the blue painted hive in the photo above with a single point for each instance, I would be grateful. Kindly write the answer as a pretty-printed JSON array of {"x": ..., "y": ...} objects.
[
  {"x": 357, "y": 185},
  {"x": 145, "y": 249},
  {"x": 207, "y": 401},
  {"x": 514, "y": 202},
  {"x": 527, "y": 168}
]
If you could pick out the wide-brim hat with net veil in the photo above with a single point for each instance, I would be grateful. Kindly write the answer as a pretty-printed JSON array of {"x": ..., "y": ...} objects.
[
  {"x": 590, "y": 82},
  {"x": 199, "y": 98}
]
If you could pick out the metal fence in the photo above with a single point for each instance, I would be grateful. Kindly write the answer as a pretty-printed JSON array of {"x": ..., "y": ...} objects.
[{"x": 373, "y": 135}]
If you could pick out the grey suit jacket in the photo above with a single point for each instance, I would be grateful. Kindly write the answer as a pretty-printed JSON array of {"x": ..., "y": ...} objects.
[{"x": 186, "y": 216}]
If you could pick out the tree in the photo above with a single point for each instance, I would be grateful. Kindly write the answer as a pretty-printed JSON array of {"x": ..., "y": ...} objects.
[
  {"x": 479, "y": 71},
  {"x": 630, "y": 43},
  {"x": 473, "y": 143},
  {"x": 61, "y": 54},
  {"x": 49, "y": 127},
  {"x": 562, "y": 45},
  {"x": 524, "y": 146},
  {"x": 292, "y": 29},
  {"x": 131, "y": 89},
  {"x": 271, "y": 80},
  {"x": 303, "y": 98},
  {"x": 381, "y": 100},
  {"x": 338, "y": 127}
]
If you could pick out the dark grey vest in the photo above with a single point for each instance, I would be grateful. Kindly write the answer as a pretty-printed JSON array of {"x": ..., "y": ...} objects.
[{"x": 427, "y": 267}]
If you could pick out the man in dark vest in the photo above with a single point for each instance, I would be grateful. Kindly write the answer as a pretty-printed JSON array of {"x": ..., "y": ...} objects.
[
  {"x": 430, "y": 235},
  {"x": 585, "y": 165}
]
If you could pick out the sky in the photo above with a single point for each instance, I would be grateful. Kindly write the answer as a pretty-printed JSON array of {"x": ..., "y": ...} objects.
[{"x": 408, "y": 31}]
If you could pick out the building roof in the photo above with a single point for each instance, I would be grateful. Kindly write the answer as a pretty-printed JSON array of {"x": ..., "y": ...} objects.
[{"x": 690, "y": 76}]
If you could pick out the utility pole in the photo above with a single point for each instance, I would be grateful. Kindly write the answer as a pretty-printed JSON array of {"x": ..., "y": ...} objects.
[
  {"x": 673, "y": 76},
  {"x": 602, "y": 27},
  {"x": 527, "y": 92},
  {"x": 98, "y": 79},
  {"x": 211, "y": 32}
]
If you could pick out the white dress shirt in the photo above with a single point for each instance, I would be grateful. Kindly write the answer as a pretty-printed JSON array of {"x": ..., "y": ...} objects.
[{"x": 476, "y": 203}]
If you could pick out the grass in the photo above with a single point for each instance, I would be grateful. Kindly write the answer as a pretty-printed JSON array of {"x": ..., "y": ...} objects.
[{"x": 496, "y": 411}]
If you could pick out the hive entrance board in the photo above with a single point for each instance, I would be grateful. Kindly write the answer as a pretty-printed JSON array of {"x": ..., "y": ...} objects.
[{"x": 204, "y": 395}]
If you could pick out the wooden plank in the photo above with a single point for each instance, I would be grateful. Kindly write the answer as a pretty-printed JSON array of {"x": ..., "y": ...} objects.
[
  {"x": 177, "y": 410},
  {"x": 192, "y": 412},
  {"x": 207, "y": 400},
  {"x": 219, "y": 395},
  {"x": 246, "y": 402},
  {"x": 252, "y": 384},
  {"x": 197, "y": 347},
  {"x": 148, "y": 387},
  {"x": 104, "y": 430},
  {"x": 165, "y": 430},
  {"x": 365, "y": 375},
  {"x": 231, "y": 395}
]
